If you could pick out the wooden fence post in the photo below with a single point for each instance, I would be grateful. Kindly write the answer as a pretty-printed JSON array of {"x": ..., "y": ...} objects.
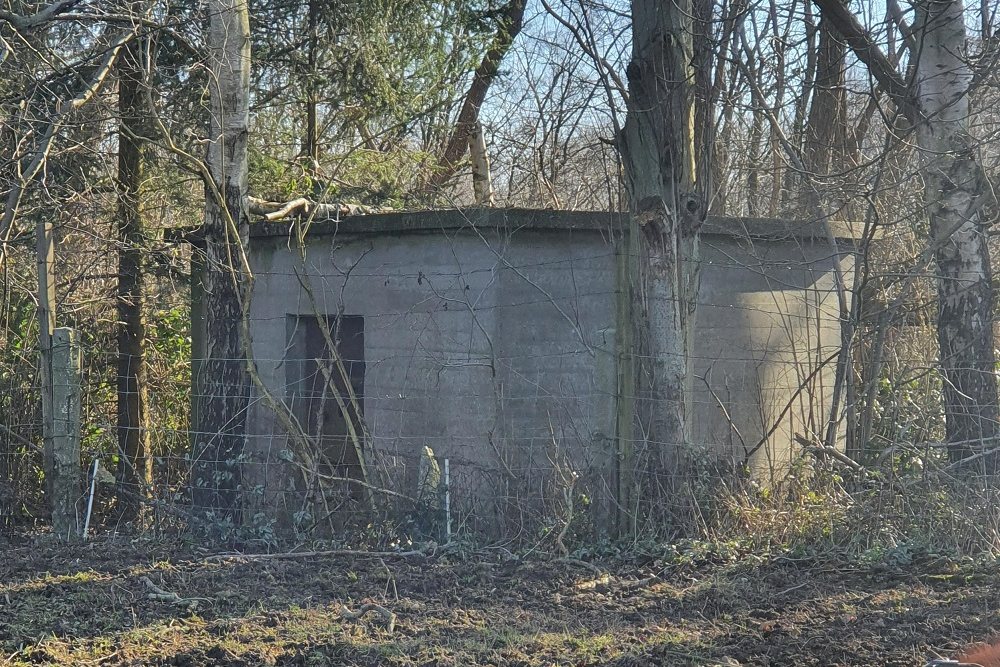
[{"x": 626, "y": 341}]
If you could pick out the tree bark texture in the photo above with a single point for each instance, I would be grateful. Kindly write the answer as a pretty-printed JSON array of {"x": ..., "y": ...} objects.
[
  {"x": 658, "y": 155},
  {"x": 134, "y": 466},
  {"x": 223, "y": 383},
  {"x": 955, "y": 190},
  {"x": 702, "y": 45},
  {"x": 826, "y": 126}
]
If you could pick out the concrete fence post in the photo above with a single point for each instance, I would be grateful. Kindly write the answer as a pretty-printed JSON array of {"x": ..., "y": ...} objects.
[{"x": 64, "y": 472}]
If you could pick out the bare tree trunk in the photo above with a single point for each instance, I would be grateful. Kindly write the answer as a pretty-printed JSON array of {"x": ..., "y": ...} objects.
[
  {"x": 808, "y": 74},
  {"x": 310, "y": 148},
  {"x": 658, "y": 155},
  {"x": 754, "y": 152},
  {"x": 956, "y": 188},
  {"x": 704, "y": 105},
  {"x": 826, "y": 127},
  {"x": 223, "y": 383},
  {"x": 824, "y": 145},
  {"x": 710, "y": 82},
  {"x": 780, "y": 32},
  {"x": 777, "y": 179},
  {"x": 134, "y": 466},
  {"x": 482, "y": 180},
  {"x": 511, "y": 20}
]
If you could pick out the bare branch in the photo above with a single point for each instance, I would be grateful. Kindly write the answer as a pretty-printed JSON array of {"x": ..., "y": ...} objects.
[
  {"x": 45, "y": 145},
  {"x": 868, "y": 52},
  {"x": 40, "y": 17}
]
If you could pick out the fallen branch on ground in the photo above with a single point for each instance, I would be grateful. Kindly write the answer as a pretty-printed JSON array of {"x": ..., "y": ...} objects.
[
  {"x": 606, "y": 581},
  {"x": 162, "y": 595},
  {"x": 388, "y": 618},
  {"x": 602, "y": 582},
  {"x": 424, "y": 553},
  {"x": 580, "y": 563},
  {"x": 821, "y": 451}
]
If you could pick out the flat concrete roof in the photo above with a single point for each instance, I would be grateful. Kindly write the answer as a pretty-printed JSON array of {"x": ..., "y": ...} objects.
[{"x": 512, "y": 219}]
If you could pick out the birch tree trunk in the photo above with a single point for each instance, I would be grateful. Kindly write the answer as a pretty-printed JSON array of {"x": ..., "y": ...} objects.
[
  {"x": 482, "y": 179},
  {"x": 223, "y": 382},
  {"x": 658, "y": 155},
  {"x": 955, "y": 190}
]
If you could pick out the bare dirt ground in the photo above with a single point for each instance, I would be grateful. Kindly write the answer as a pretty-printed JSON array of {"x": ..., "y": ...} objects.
[{"x": 90, "y": 605}]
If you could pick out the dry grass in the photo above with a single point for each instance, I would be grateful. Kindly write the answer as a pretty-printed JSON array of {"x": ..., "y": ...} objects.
[{"x": 688, "y": 605}]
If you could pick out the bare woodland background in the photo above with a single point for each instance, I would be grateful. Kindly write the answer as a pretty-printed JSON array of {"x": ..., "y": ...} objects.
[{"x": 105, "y": 117}]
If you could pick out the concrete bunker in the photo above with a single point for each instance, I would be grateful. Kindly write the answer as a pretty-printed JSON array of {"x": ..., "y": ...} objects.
[{"x": 503, "y": 339}]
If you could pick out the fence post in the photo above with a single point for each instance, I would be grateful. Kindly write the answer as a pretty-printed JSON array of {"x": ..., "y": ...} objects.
[
  {"x": 626, "y": 342},
  {"x": 64, "y": 471}
]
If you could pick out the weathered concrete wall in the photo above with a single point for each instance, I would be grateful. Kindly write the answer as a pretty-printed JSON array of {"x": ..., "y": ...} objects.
[
  {"x": 768, "y": 327},
  {"x": 496, "y": 346},
  {"x": 491, "y": 349}
]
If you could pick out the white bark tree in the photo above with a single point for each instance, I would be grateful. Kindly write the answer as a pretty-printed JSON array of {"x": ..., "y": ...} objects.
[
  {"x": 482, "y": 180},
  {"x": 956, "y": 189},
  {"x": 223, "y": 382},
  {"x": 955, "y": 192}
]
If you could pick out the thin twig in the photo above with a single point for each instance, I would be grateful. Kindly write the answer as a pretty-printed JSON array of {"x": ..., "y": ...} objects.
[{"x": 423, "y": 553}]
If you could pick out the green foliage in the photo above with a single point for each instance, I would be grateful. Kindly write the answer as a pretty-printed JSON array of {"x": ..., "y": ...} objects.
[
  {"x": 168, "y": 349},
  {"x": 384, "y": 75},
  {"x": 910, "y": 410},
  {"x": 388, "y": 176},
  {"x": 273, "y": 179}
]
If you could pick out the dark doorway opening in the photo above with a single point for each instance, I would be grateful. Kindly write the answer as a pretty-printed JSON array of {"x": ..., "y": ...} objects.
[{"x": 326, "y": 389}]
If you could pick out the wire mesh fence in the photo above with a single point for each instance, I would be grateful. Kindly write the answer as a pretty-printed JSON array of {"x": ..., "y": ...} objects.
[{"x": 492, "y": 381}]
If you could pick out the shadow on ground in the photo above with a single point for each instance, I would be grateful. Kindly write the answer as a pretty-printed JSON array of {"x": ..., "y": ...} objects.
[{"x": 91, "y": 604}]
